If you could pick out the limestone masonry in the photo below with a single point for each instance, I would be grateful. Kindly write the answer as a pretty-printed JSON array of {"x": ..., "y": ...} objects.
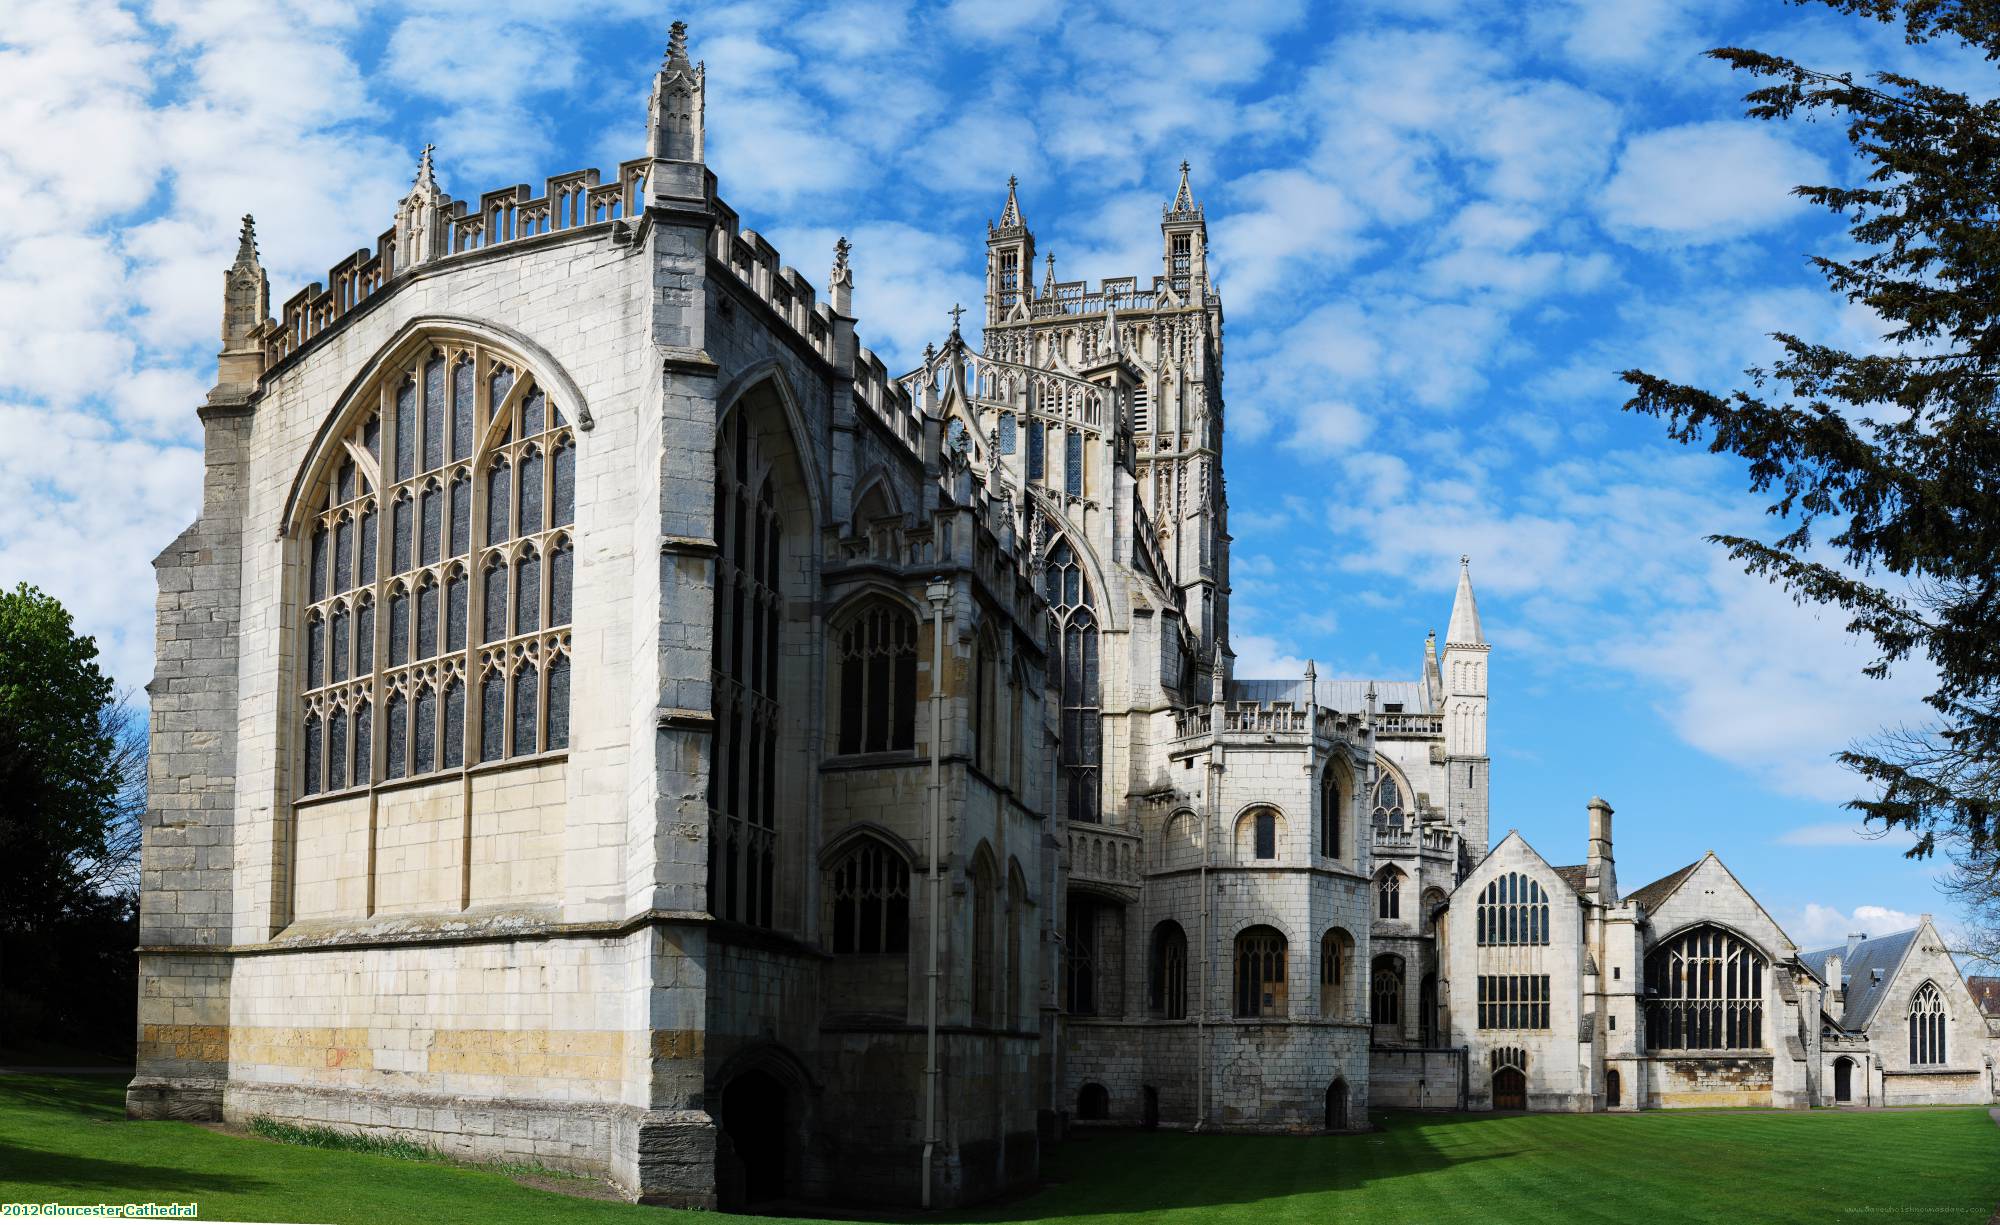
[{"x": 598, "y": 704}]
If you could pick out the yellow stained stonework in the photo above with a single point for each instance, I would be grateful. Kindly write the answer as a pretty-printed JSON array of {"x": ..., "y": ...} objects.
[{"x": 206, "y": 1043}]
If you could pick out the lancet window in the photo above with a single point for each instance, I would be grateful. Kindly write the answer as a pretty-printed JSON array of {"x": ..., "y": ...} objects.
[{"x": 1074, "y": 631}]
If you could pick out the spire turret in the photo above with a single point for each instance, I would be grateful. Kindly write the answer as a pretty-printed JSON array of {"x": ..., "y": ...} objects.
[
  {"x": 676, "y": 120},
  {"x": 1464, "y": 629},
  {"x": 420, "y": 222},
  {"x": 1010, "y": 258},
  {"x": 1184, "y": 229},
  {"x": 246, "y": 303}
]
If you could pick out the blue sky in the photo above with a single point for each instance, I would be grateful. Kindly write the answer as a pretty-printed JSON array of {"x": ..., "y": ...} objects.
[{"x": 1439, "y": 231}]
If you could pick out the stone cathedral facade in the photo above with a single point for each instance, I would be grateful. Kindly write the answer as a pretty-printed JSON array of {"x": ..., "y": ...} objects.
[{"x": 604, "y": 718}]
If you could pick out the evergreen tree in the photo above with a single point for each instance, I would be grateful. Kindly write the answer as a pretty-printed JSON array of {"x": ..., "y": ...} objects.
[{"x": 1886, "y": 465}]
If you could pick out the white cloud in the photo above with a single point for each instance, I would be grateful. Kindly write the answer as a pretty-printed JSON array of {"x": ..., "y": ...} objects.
[
  {"x": 1705, "y": 182},
  {"x": 1261, "y": 656},
  {"x": 1818, "y": 926}
]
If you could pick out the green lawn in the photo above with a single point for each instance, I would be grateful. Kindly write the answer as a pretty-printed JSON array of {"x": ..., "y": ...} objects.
[{"x": 65, "y": 1139}]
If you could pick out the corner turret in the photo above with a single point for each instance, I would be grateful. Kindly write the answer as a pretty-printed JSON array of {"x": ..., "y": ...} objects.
[
  {"x": 1010, "y": 258},
  {"x": 676, "y": 124},
  {"x": 246, "y": 304}
]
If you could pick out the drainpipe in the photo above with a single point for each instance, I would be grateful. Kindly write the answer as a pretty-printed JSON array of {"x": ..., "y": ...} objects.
[
  {"x": 1211, "y": 819},
  {"x": 939, "y": 591}
]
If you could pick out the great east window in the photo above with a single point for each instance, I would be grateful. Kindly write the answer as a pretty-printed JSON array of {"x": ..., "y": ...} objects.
[{"x": 439, "y": 572}]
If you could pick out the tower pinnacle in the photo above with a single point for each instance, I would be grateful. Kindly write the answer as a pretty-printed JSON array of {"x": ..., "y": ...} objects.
[
  {"x": 1464, "y": 628},
  {"x": 675, "y": 118},
  {"x": 246, "y": 243}
]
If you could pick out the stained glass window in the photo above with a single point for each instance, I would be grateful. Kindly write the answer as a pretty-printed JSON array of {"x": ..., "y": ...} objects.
[
  {"x": 525, "y": 703},
  {"x": 434, "y": 414}
]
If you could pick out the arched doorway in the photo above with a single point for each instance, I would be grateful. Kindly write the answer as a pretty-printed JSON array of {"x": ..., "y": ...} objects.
[
  {"x": 1510, "y": 1089},
  {"x": 1611, "y": 1089},
  {"x": 751, "y": 1158},
  {"x": 1843, "y": 1079},
  {"x": 1336, "y": 1105},
  {"x": 1093, "y": 1101},
  {"x": 1149, "y": 1107}
]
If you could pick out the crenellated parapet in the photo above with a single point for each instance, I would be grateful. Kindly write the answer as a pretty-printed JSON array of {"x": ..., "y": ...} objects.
[{"x": 431, "y": 227}]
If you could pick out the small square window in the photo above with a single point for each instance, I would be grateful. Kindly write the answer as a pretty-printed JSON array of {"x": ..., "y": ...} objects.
[{"x": 1617, "y": 971}]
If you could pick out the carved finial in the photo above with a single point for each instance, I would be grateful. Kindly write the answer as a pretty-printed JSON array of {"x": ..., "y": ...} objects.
[
  {"x": 1049, "y": 278},
  {"x": 426, "y": 175},
  {"x": 246, "y": 243},
  {"x": 956, "y": 312},
  {"x": 840, "y": 249},
  {"x": 1465, "y": 561},
  {"x": 677, "y": 42}
]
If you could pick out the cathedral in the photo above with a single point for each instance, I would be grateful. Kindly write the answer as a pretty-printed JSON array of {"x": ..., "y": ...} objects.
[{"x": 606, "y": 719}]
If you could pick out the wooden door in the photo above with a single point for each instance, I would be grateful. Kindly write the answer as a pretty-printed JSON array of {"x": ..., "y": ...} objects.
[{"x": 1510, "y": 1089}]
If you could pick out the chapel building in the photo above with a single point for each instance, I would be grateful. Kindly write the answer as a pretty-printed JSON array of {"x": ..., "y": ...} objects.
[{"x": 605, "y": 718}]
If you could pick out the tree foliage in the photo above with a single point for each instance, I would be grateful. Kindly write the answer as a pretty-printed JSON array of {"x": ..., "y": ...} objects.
[
  {"x": 1886, "y": 464},
  {"x": 72, "y": 789}
]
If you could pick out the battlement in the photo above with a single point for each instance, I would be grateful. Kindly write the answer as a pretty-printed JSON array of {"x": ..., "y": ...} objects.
[
  {"x": 446, "y": 227},
  {"x": 433, "y": 228}
]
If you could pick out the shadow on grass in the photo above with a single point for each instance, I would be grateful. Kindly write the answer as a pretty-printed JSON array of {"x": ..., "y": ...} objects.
[
  {"x": 1119, "y": 1173},
  {"x": 52, "y": 1168},
  {"x": 96, "y": 1098}
]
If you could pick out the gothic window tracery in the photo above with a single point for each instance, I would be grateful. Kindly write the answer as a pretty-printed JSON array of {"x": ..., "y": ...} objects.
[
  {"x": 1705, "y": 991},
  {"x": 877, "y": 654},
  {"x": 870, "y": 888},
  {"x": 1388, "y": 801},
  {"x": 1512, "y": 909},
  {"x": 1389, "y": 894},
  {"x": 743, "y": 752},
  {"x": 1073, "y": 631},
  {"x": 1329, "y": 813},
  {"x": 384, "y": 697},
  {"x": 1927, "y": 1026},
  {"x": 1385, "y": 997},
  {"x": 1260, "y": 972}
]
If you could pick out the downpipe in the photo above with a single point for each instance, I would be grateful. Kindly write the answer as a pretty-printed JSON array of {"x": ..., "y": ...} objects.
[{"x": 939, "y": 592}]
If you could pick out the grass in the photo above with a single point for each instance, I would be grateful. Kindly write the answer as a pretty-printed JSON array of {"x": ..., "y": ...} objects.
[{"x": 64, "y": 1138}]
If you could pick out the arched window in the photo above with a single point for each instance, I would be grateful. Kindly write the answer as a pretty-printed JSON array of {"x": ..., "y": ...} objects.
[
  {"x": 744, "y": 662},
  {"x": 1074, "y": 631},
  {"x": 1017, "y": 922},
  {"x": 1705, "y": 991},
  {"x": 1329, "y": 814},
  {"x": 1386, "y": 990},
  {"x": 1080, "y": 956},
  {"x": 877, "y": 652},
  {"x": 985, "y": 888},
  {"x": 1389, "y": 807},
  {"x": 1389, "y": 894},
  {"x": 1260, "y": 972},
  {"x": 1927, "y": 1018},
  {"x": 1434, "y": 900},
  {"x": 870, "y": 889},
  {"x": 1257, "y": 835},
  {"x": 1168, "y": 979},
  {"x": 985, "y": 697},
  {"x": 1336, "y": 968},
  {"x": 1093, "y": 1102},
  {"x": 1512, "y": 909},
  {"x": 441, "y": 443}
]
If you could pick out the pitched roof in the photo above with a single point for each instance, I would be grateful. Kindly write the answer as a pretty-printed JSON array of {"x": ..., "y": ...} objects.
[
  {"x": 1574, "y": 875},
  {"x": 1650, "y": 896},
  {"x": 1985, "y": 993},
  {"x": 1865, "y": 989}
]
